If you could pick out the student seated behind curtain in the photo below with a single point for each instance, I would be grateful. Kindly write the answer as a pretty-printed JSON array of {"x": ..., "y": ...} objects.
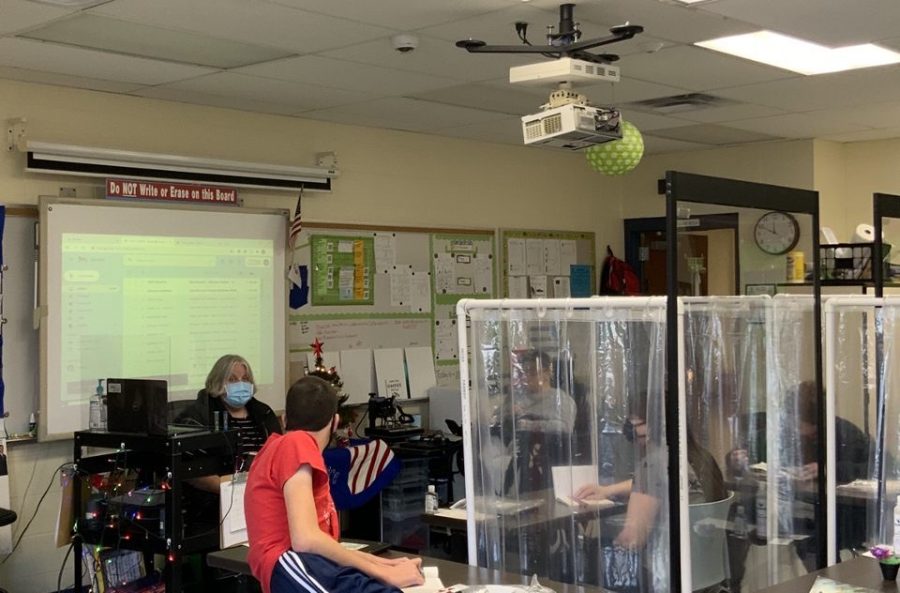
[
  {"x": 645, "y": 489},
  {"x": 538, "y": 422},
  {"x": 799, "y": 420},
  {"x": 229, "y": 389}
]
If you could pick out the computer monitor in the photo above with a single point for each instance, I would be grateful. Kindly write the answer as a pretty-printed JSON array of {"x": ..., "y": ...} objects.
[{"x": 137, "y": 406}]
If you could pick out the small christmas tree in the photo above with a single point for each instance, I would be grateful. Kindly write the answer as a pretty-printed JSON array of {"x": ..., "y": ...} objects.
[{"x": 344, "y": 431}]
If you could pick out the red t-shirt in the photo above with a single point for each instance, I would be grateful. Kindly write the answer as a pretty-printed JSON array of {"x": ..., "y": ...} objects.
[{"x": 264, "y": 507}]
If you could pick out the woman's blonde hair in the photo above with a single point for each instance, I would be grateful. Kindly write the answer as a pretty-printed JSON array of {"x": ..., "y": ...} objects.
[{"x": 221, "y": 371}]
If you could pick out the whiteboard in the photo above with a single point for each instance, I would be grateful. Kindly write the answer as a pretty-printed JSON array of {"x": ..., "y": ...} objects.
[
  {"x": 148, "y": 291},
  {"x": 20, "y": 338}
]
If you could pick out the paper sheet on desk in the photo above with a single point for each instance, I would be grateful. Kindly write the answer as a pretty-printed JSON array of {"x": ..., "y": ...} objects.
[
  {"x": 823, "y": 585},
  {"x": 567, "y": 479},
  {"x": 432, "y": 584}
]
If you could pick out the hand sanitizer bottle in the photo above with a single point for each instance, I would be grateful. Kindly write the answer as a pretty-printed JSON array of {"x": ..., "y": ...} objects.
[
  {"x": 431, "y": 500},
  {"x": 97, "y": 418}
]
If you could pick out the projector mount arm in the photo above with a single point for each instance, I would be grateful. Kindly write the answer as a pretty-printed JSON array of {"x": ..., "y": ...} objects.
[{"x": 564, "y": 44}]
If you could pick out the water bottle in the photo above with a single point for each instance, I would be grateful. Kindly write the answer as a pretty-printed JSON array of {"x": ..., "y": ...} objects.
[
  {"x": 740, "y": 522},
  {"x": 431, "y": 500},
  {"x": 761, "y": 516}
]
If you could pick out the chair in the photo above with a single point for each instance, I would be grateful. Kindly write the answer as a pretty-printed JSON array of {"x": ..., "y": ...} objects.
[
  {"x": 7, "y": 517},
  {"x": 709, "y": 548}
]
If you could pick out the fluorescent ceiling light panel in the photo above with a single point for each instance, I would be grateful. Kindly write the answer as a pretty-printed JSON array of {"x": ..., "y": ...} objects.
[
  {"x": 135, "y": 39},
  {"x": 691, "y": 1},
  {"x": 797, "y": 55}
]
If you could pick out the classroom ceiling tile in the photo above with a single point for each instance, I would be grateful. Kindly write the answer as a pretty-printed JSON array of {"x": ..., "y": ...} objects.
[
  {"x": 712, "y": 134},
  {"x": 260, "y": 23},
  {"x": 651, "y": 121},
  {"x": 303, "y": 97},
  {"x": 108, "y": 86},
  {"x": 807, "y": 93},
  {"x": 658, "y": 145},
  {"x": 865, "y": 135},
  {"x": 167, "y": 93},
  {"x": 835, "y": 23},
  {"x": 137, "y": 39},
  {"x": 73, "y": 61},
  {"x": 19, "y": 15},
  {"x": 626, "y": 90},
  {"x": 795, "y": 125},
  {"x": 347, "y": 75},
  {"x": 697, "y": 69},
  {"x": 479, "y": 96},
  {"x": 728, "y": 113},
  {"x": 498, "y": 27},
  {"x": 503, "y": 131},
  {"x": 433, "y": 56},
  {"x": 405, "y": 114},
  {"x": 662, "y": 20},
  {"x": 398, "y": 14}
]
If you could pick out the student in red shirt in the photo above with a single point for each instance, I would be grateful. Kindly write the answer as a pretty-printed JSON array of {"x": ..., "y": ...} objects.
[{"x": 292, "y": 524}]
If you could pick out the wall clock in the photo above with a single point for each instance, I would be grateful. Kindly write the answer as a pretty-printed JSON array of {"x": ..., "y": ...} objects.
[{"x": 776, "y": 233}]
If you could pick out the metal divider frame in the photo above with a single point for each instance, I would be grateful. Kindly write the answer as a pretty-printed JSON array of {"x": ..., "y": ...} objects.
[{"x": 702, "y": 189}]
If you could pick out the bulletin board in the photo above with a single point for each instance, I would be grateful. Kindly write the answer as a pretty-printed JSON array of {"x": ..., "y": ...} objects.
[
  {"x": 385, "y": 287},
  {"x": 548, "y": 264}
]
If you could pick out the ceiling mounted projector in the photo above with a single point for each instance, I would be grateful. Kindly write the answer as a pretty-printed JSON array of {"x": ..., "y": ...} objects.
[
  {"x": 564, "y": 43},
  {"x": 572, "y": 126}
]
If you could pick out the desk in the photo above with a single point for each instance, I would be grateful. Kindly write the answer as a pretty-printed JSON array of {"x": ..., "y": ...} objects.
[
  {"x": 172, "y": 459},
  {"x": 452, "y": 573},
  {"x": 861, "y": 572}
]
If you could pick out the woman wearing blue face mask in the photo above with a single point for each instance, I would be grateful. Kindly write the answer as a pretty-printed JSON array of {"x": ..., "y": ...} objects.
[{"x": 229, "y": 391}]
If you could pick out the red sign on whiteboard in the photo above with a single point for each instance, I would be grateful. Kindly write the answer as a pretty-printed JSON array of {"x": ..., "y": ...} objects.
[{"x": 173, "y": 192}]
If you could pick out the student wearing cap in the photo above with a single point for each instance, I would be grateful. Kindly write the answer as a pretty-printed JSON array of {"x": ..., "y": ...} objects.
[{"x": 292, "y": 524}]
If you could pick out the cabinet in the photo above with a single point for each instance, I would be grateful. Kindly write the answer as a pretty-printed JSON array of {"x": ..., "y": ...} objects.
[{"x": 146, "y": 513}]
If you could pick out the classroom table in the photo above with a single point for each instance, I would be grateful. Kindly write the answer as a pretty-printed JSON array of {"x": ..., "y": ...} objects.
[
  {"x": 860, "y": 572},
  {"x": 451, "y": 573}
]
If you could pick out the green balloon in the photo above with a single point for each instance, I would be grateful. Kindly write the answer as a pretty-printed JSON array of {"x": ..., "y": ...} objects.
[{"x": 619, "y": 156}]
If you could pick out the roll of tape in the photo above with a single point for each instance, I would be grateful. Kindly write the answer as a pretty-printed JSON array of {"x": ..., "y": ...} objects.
[{"x": 864, "y": 233}]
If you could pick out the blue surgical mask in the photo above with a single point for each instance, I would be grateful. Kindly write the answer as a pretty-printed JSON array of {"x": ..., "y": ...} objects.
[{"x": 238, "y": 394}]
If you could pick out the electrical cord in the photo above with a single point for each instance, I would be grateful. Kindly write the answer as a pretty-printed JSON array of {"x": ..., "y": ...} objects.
[
  {"x": 62, "y": 568},
  {"x": 33, "y": 515}
]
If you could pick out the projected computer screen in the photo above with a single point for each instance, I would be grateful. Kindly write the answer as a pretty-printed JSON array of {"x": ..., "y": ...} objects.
[{"x": 138, "y": 292}]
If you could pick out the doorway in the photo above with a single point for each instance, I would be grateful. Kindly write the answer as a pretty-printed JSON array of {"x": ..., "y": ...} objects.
[{"x": 709, "y": 243}]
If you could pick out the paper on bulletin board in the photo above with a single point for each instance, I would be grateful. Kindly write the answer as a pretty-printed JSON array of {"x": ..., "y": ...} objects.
[
  {"x": 329, "y": 359},
  {"x": 420, "y": 292},
  {"x": 233, "y": 530},
  {"x": 561, "y": 289},
  {"x": 568, "y": 255},
  {"x": 518, "y": 287},
  {"x": 385, "y": 251},
  {"x": 515, "y": 257},
  {"x": 534, "y": 257},
  {"x": 551, "y": 257},
  {"x": 537, "y": 287},
  {"x": 400, "y": 287},
  {"x": 484, "y": 274},
  {"x": 443, "y": 273},
  {"x": 358, "y": 374},
  {"x": 390, "y": 373},
  {"x": 420, "y": 368},
  {"x": 446, "y": 342}
]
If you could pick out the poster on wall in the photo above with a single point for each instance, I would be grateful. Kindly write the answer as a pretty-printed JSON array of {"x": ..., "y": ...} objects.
[{"x": 343, "y": 270}]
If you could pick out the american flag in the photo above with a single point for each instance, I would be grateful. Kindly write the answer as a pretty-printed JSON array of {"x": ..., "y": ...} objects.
[
  {"x": 366, "y": 464},
  {"x": 296, "y": 225}
]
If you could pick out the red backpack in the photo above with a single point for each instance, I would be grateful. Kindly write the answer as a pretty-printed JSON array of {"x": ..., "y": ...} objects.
[{"x": 617, "y": 278}]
